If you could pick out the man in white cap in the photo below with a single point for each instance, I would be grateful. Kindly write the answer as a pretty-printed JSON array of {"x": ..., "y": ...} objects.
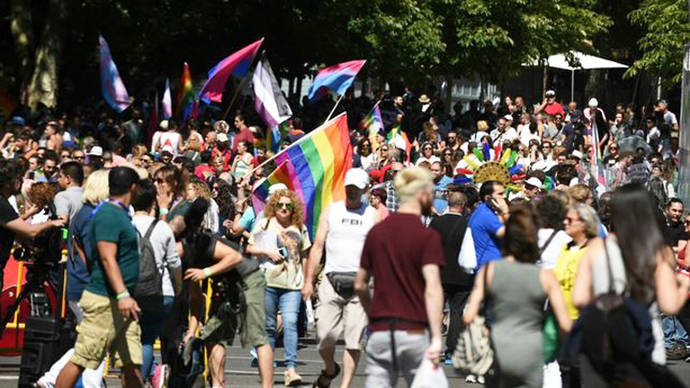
[
  {"x": 343, "y": 227},
  {"x": 504, "y": 130},
  {"x": 549, "y": 105}
]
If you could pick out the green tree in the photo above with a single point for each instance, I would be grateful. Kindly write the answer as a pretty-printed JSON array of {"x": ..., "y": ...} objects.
[{"x": 666, "y": 29}]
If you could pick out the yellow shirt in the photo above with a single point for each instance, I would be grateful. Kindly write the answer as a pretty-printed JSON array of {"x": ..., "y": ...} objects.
[{"x": 566, "y": 271}]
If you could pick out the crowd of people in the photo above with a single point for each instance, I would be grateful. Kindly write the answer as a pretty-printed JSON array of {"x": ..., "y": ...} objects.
[{"x": 417, "y": 250}]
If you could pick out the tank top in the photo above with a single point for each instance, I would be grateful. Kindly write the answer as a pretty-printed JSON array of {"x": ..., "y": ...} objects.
[{"x": 347, "y": 230}]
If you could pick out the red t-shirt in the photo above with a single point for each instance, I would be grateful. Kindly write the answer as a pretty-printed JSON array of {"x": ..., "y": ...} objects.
[
  {"x": 244, "y": 135},
  {"x": 394, "y": 252},
  {"x": 552, "y": 109}
]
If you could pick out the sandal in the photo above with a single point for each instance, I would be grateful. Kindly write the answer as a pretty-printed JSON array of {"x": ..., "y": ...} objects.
[
  {"x": 327, "y": 377},
  {"x": 292, "y": 380}
]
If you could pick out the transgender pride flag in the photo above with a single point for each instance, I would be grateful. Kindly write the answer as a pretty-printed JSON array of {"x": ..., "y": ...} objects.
[
  {"x": 114, "y": 90},
  {"x": 337, "y": 78}
]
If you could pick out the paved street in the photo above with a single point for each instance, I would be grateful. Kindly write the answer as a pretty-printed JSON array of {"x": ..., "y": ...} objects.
[{"x": 241, "y": 374}]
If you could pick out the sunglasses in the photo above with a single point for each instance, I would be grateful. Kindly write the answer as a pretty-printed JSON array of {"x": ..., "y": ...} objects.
[
  {"x": 427, "y": 148},
  {"x": 158, "y": 180},
  {"x": 79, "y": 157},
  {"x": 613, "y": 148},
  {"x": 384, "y": 149},
  {"x": 287, "y": 206}
]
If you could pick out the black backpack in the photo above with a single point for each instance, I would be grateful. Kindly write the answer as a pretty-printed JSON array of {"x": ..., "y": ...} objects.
[{"x": 150, "y": 279}]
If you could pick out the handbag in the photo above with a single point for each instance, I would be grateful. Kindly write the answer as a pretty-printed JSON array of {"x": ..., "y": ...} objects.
[
  {"x": 467, "y": 257},
  {"x": 473, "y": 353},
  {"x": 550, "y": 337},
  {"x": 343, "y": 283}
]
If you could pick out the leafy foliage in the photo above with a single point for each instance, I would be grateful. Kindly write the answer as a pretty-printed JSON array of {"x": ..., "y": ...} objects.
[
  {"x": 666, "y": 30},
  {"x": 404, "y": 40}
]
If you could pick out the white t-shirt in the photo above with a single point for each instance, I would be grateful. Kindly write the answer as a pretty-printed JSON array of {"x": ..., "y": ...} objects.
[
  {"x": 172, "y": 139},
  {"x": 550, "y": 253},
  {"x": 164, "y": 248}
]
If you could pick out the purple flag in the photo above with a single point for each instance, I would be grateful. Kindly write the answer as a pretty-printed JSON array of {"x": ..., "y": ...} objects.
[{"x": 114, "y": 90}]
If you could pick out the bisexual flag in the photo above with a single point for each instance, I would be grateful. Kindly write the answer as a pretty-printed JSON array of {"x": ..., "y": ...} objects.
[
  {"x": 114, "y": 90},
  {"x": 236, "y": 64},
  {"x": 337, "y": 78}
]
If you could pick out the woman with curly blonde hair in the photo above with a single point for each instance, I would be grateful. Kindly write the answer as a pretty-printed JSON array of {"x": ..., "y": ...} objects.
[{"x": 281, "y": 241}]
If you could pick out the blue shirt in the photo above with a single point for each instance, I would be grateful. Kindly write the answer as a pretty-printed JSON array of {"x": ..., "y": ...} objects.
[
  {"x": 485, "y": 224},
  {"x": 77, "y": 272},
  {"x": 440, "y": 191}
]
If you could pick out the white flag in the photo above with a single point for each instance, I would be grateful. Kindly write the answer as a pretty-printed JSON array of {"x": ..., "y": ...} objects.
[{"x": 269, "y": 101}]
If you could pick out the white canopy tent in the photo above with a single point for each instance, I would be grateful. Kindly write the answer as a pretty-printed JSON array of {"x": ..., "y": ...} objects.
[{"x": 586, "y": 62}]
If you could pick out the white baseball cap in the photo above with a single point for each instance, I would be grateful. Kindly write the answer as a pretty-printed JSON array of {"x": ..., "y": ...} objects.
[
  {"x": 96, "y": 151},
  {"x": 577, "y": 154},
  {"x": 534, "y": 181},
  {"x": 163, "y": 124},
  {"x": 593, "y": 103},
  {"x": 357, "y": 177},
  {"x": 167, "y": 148},
  {"x": 508, "y": 118}
]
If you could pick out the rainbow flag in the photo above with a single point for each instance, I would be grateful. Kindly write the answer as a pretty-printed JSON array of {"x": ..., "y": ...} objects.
[
  {"x": 113, "y": 88},
  {"x": 185, "y": 94},
  {"x": 314, "y": 168},
  {"x": 373, "y": 123},
  {"x": 236, "y": 64},
  {"x": 595, "y": 160},
  {"x": 337, "y": 78},
  {"x": 398, "y": 139}
]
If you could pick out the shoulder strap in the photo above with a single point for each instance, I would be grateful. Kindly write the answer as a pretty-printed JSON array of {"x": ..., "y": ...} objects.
[
  {"x": 612, "y": 288},
  {"x": 548, "y": 241},
  {"x": 150, "y": 229}
]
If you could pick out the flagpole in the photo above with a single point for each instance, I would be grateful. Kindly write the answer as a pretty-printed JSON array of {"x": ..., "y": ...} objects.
[
  {"x": 300, "y": 140},
  {"x": 335, "y": 106},
  {"x": 239, "y": 88}
]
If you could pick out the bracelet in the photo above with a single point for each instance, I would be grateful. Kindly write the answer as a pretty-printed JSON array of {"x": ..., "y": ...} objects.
[
  {"x": 207, "y": 272},
  {"x": 122, "y": 295},
  {"x": 163, "y": 211}
]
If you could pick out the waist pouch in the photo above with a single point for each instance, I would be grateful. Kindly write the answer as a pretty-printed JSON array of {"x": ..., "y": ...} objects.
[{"x": 343, "y": 283}]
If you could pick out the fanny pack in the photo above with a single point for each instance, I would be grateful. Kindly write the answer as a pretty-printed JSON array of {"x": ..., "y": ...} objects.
[{"x": 343, "y": 283}]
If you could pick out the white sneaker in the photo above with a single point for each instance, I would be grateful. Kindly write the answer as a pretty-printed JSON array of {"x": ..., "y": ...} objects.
[
  {"x": 480, "y": 380},
  {"x": 471, "y": 379}
]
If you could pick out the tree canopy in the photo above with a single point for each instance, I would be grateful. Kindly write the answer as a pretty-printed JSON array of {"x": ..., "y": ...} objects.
[
  {"x": 53, "y": 55},
  {"x": 666, "y": 30}
]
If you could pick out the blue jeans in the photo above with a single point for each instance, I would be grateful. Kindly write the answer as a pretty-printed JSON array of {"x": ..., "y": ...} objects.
[
  {"x": 674, "y": 332},
  {"x": 154, "y": 312},
  {"x": 287, "y": 301}
]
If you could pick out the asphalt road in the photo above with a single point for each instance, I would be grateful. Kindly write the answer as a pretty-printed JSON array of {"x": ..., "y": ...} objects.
[{"x": 239, "y": 373}]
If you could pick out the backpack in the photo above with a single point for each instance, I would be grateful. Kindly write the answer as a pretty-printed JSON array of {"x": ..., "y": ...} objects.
[
  {"x": 615, "y": 329},
  {"x": 150, "y": 279}
]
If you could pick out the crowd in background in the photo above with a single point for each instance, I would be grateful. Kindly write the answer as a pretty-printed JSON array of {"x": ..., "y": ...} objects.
[{"x": 188, "y": 186}]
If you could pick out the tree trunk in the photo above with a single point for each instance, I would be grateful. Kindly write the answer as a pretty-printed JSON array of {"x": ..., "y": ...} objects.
[
  {"x": 595, "y": 86},
  {"x": 43, "y": 85},
  {"x": 22, "y": 32},
  {"x": 449, "y": 93}
]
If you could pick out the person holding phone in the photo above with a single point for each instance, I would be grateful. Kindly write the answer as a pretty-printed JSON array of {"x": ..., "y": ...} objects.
[
  {"x": 487, "y": 222},
  {"x": 281, "y": 242}
]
